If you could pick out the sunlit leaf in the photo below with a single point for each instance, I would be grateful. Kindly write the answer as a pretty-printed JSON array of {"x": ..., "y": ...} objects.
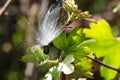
[
  {"x": 100, "y": 31},
  {"x": 104, "y": 44},
  {"x": 79, "y": 52},
  {"x": 28, "y": 59},
  {"x": 74, "y": 39},
  {"x": 37, "y": 56},
  {"x": 71, "y": 46}
]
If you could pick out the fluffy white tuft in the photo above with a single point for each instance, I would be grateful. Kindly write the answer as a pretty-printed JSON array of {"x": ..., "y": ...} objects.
[{"x": 49, "y": 28}]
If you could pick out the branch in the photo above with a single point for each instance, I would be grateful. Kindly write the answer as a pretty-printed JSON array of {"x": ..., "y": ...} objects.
[
  {"x": 3, "y": 9},
  {"x": 105, "y": 65}
]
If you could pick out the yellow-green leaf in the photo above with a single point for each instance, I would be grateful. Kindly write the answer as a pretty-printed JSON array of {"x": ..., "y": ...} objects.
[{"x": 104, "y": 44}]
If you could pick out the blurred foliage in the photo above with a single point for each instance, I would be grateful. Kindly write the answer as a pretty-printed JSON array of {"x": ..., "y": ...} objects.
[{"x": 18, "y": 21}]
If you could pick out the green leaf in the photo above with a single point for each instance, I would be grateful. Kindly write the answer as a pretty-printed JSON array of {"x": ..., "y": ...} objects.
[
  {"x": 74, "y": 39},
  {"x": 79, "y": 52},
  {"x": 104, "y": 44},
  {"x": 84, "y": 66},
  {"x": 100, "y": 31},
  {"x": 101, "y": 49},
  {"x": 37, "y": 56},
  {"x": 28, "y": 59},
  {"x": 112, "y": 59},
  {"x": 71, "y": 46},
  {"x": 60, "y": 41},
  {"x": 81, "y": 62}
]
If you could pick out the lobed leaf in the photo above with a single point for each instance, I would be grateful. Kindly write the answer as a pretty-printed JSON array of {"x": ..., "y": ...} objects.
[
  {"x": 36, "y": 56},
  {"x": 104, "y": 44},
  {"x": 74, "y": 39},
  {"x": 71, "y": 46}
]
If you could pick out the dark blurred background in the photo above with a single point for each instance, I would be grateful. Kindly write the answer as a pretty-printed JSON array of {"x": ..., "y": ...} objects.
[{"x": 18, "y": 24}]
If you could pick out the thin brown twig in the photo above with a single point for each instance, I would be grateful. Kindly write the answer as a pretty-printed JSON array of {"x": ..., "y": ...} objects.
[
  {"x": 91, "y": 20},
  {"x": 5, "y": 6},
  {"x": 103, "y": 64}
]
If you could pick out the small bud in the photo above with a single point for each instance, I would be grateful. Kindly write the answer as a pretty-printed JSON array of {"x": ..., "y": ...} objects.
[{"x": 70, "y": 4}]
